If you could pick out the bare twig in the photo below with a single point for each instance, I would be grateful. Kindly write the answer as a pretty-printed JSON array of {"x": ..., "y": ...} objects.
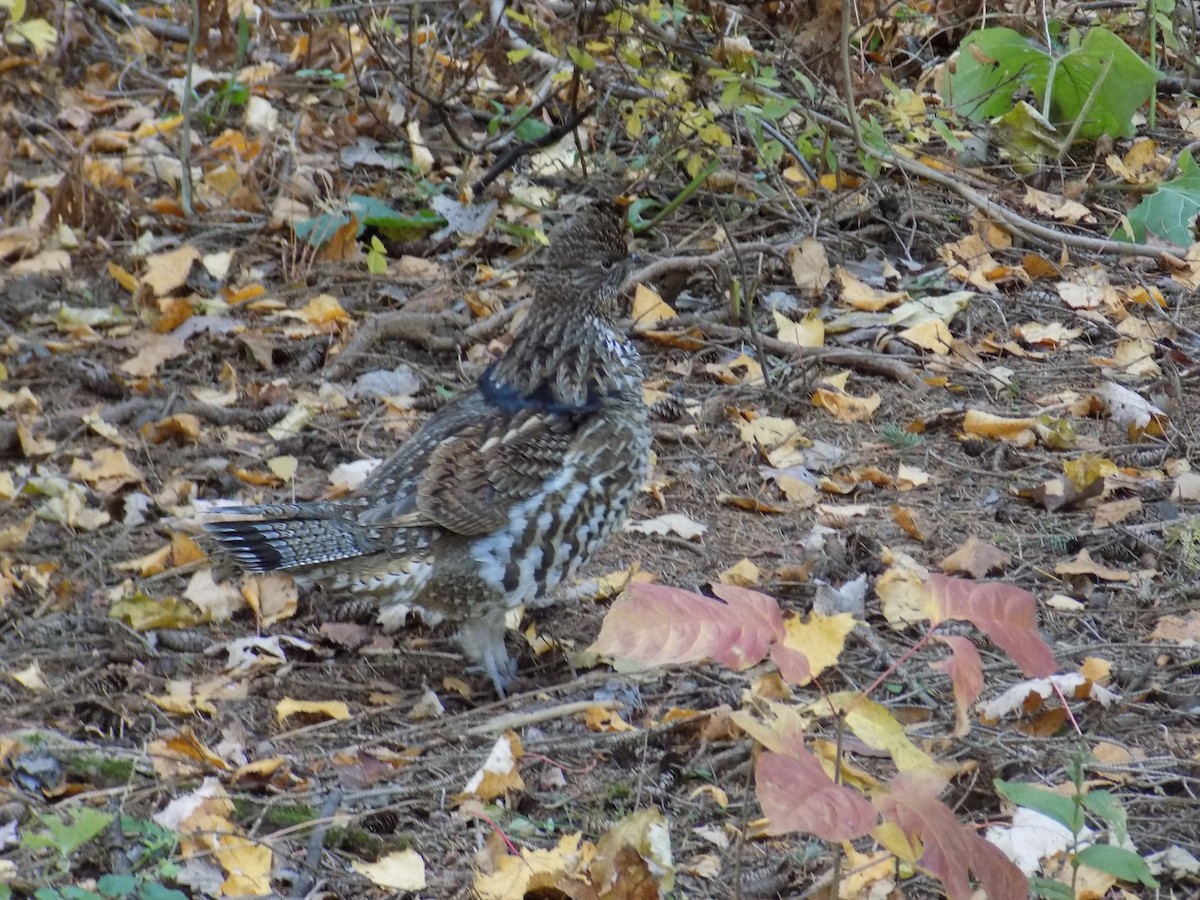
[
  {"x": 859, "y": 360},
  {"x": 160, "y": 28},
  {"x": 423, "y": 329}
]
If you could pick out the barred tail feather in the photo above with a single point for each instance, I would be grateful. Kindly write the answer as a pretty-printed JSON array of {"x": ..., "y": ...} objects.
[{"x": 287, "y": 536}]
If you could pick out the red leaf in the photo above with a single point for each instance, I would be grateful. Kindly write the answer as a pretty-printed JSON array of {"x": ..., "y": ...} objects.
[
  {"x": 951, "y": 848},
  {"x": 965, "y": 669},
  {"x": 1004, "y": 612},
  {"x": 657, "y": 625},
  {"x": 793, "y": 665},
  {"x": 797, "y": 795}
]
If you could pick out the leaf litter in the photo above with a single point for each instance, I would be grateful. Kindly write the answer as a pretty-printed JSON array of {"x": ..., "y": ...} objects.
[{"x": 145, "y": 370}]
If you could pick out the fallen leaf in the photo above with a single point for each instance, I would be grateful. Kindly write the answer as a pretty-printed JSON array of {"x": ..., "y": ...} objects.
[
  {"x": 403, "y": 870},
  {"x": 669, "y": 523}
]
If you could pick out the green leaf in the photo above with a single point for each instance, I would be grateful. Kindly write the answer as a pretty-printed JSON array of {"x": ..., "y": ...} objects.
[
  {"x": 116, "y": 885},
  {"x": 532, "y": 130},
  {"x": 1050, "y": 889},
  {"x": 78, "y": 893},
  {"x": 156, "y": 891},
  {"x": 581, "y": 58},
  {"x": 1100, "y": 83},
  {"x": 66, "y": 837},
  {"x": 1106, "y": 806},
  {"x": 993, "y": 64},
  {"x": 1118, "y": 862},
  {"x": 1170, "y": 212},
  {"x": 1127, "y": 83},
  {"x": 1054, "y": 806},
  {"x": 777, "y": 107},
  {"x": 376, "y": 257},
  {"x": 392, "y": 224},
  {"x": 953, "y": 141}
]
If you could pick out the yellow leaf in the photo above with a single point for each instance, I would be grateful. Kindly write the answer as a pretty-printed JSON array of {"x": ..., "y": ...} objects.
[
  {"x": 931, "y": 335},
  {"x": 167, "y": 272},
  {"x": 283, "y": 466},
  {"x": 125, "y": 279},
  {"x": 108, "y": 470},
  {"x": 809, "y": 332},
  {"x": 860, "y": 295},
  {"x": 740, "y": 370},
  {"x": 892, "y": 838},
  {"x": 514, "y": 877},
  {"x": 597, "y": 718},
  {"x": 998, "y": 428},
  {"x": 422, "y": 158},
  {"x": 150, "y": 564},
  {"x": 142, "y": 611},
  {"x": 767, "y": 432},
  {"x": 649, "y": 309},
  {"x": 500, "y": 774},
  {"x": 821, "y": 639},
  {"x": 330, "y": 709},
  {"x": 878, "y": 728},
  {"x": 273, "y": 597},
  {"x": 831, "y": 397},
  {"x": 902, "y": 596},
  {"x": 30, "y": 678},
  {"x": 403, "y": 870},
  {"x": 742, "y": 572},
  {"x": 909, "y": 477},
  {"x": 324, "y": 309},
  {"x": 247, "y": 866}
]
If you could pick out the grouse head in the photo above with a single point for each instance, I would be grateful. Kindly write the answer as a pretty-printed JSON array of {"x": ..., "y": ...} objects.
[{"x": 587, "y": 261}]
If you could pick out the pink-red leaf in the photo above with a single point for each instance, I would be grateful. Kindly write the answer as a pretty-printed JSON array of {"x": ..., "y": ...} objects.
[
  {"x": 657, "y": 625},
  {"x": 1004, "y": 612},
  {"x": 951, "y": 848},
  {"x": 793, "y": 664},
  {"x": 965, "y": 669},
  {"x": 797, "y": 795}
]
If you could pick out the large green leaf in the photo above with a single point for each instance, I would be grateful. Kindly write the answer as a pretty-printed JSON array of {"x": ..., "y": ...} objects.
[
  {"x": 1124, "y": 864},
  {"x": 993, "y": 65},
  {"x": 1170, "y": 212},
  {"x": 1120, "y": 80},
  {"x": 1101, "y": 82},
  {"x": 1062, "y": 810}
]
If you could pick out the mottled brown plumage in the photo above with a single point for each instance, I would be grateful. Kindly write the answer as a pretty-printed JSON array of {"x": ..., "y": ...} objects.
[{"x": 505, "y": 491}]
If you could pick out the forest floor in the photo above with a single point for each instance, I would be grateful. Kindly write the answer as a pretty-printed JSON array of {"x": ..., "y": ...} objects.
[{"x": 124, "y": 681}]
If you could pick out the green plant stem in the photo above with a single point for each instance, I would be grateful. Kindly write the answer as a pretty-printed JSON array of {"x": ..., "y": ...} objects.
[
  {"x": 1087, "y": 107},
  {"x": 680, "y": 198},
  {"x": 1152, "y": 18}
]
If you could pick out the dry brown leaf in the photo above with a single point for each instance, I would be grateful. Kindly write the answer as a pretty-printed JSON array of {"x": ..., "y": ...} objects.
[
  {"x": 810, "y": 266},
  {"x": 976, "y": 558},
  {"x": 1083, "y": 564}
]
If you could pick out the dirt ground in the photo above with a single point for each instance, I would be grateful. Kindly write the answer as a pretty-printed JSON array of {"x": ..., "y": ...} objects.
[{"x": 390, "y": 777}]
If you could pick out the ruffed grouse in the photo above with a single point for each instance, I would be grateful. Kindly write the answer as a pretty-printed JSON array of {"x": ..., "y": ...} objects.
[{"x": 505, "y": 491}]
